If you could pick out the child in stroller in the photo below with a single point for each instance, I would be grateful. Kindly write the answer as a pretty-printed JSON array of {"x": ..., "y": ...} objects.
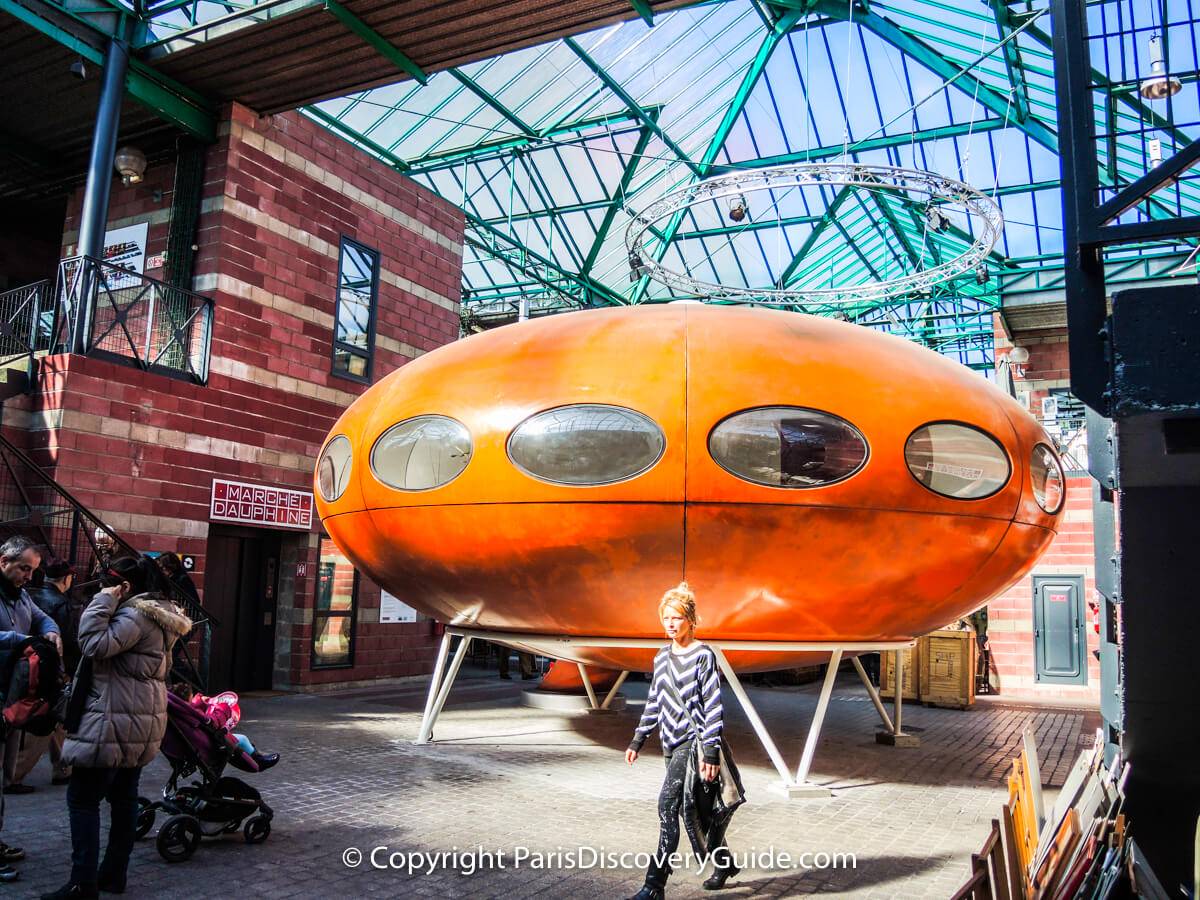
[{"x": 199, "y": 743}]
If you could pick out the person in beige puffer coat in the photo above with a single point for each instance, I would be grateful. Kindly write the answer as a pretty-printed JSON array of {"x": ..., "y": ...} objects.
[{"x": 128, "y": 631}]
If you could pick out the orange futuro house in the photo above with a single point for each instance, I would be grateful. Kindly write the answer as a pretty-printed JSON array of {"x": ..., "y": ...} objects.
[{"x": 812, "y": 480}]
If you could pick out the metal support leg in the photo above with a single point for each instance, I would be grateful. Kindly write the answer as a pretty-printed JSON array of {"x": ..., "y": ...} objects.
[
  {"x": 814, "y": 730},
  {"x": 612, "y": 692},
  {"x": 439, "y": 687},
  {"x": 435, "y": 684},
  {"x": 587, "y": 686},
  {"x": 874, "y": 694},
  {"x": 752, "y": 714},
  {"x": 896, "y": 736}
]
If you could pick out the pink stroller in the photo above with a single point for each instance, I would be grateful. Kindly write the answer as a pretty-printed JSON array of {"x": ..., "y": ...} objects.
[{"x": 215, "y": 804}]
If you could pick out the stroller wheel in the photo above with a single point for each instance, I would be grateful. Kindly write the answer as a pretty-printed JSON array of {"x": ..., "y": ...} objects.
[
  {"x": 145, "y": 818},
  {"x": 257, "y": 829},
  {"x": 178, "y": 838}
]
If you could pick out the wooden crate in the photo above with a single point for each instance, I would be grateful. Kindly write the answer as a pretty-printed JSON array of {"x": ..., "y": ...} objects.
[
  {"x": 948, "y": 661},
  {"x": 911, "y": 666}
]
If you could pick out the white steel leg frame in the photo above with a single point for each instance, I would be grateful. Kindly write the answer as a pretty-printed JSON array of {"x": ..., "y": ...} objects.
[{"x": 794, "y": 786}]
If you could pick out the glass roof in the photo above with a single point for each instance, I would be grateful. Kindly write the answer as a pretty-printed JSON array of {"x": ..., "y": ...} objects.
[{"x": 550, "y": 150}]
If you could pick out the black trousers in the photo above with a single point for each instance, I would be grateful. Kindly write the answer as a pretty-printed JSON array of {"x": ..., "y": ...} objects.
[
  {"x": 84, "y": 793},
  {"x": 670, "y": 801}
]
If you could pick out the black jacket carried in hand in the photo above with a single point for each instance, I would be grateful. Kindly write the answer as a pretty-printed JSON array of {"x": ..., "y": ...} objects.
[
  {"x": 31, "y": 681},
  {"x": 709, "y": 805}
]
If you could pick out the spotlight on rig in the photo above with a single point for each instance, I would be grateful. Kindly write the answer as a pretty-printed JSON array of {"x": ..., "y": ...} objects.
[
  {"x": 738, "y": 208},
  {"x": 1160, "y": 85},
  {"x": 937, "y": 219}
]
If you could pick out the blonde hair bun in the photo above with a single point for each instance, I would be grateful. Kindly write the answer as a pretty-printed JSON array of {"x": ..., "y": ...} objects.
[{"x": 682, "y": 598}]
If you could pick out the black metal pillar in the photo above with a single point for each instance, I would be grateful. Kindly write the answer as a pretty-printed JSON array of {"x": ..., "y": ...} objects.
[
  {"x": 1084, "y": 273},
  {"x": 1138, "y": 370},
  {"x": 94, "y": 215}
]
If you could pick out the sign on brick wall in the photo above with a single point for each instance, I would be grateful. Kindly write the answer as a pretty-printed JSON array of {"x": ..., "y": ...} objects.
[{"x": 256, "y": 504}]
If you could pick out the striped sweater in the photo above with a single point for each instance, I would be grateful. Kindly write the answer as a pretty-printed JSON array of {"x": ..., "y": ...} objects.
[{"x": 684, "y": 700}]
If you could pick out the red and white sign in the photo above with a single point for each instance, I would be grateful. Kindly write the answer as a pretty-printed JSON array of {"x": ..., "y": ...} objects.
[{"x": 256, "y": 504}]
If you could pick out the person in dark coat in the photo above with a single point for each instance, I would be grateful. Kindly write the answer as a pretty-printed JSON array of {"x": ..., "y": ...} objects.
[
  {"x": 52, "y": 597},
  {"x": 20, "y": 619},
  {"x": 172, "y": 568},
  {"x": 127, "y": 631}
]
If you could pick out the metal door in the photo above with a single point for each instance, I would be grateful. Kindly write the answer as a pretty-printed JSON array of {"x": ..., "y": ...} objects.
[
  {"x": 1060, "y": 642},
  {"x": 240, "y": 581}
]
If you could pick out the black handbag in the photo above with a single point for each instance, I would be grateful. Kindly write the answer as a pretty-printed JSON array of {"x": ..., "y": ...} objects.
[{"x": 69, "y": 708}]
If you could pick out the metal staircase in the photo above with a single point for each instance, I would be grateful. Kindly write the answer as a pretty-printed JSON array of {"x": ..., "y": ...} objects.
[{"x": 33, "y": 504}]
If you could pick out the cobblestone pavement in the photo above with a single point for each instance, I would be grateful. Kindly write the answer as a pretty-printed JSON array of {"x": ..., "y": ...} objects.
[{"x": 503, "y": 777}]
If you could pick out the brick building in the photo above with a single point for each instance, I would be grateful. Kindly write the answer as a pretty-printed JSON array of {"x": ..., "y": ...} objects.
[
  {"x": 1041, "y": 630},
  {"x": 327, "y": 270}
]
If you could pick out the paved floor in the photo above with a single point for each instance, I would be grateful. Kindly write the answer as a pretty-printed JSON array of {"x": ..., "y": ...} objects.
[{"x": 543, "y": 785}]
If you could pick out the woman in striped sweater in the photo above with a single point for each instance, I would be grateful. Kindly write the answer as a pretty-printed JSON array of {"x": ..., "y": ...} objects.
[{"x": 685, "y": 704}]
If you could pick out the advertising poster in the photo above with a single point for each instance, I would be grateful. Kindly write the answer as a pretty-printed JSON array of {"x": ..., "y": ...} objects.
[{"x": 126, "y": 248}]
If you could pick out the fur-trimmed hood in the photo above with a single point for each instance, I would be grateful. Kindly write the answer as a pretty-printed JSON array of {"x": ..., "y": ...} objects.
[
  {"x": 163, "y": 613},
  {"x": 125, "y": 714}
]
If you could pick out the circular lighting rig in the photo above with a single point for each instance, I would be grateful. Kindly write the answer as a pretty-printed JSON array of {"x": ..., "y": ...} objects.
[{"x": 933, "y": 191}]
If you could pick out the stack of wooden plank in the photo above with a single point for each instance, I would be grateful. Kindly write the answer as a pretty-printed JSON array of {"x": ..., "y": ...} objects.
[{"x": 1079, "y": 849}]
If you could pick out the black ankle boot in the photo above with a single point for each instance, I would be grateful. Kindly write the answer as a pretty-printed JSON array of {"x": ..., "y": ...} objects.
[
  {"x": 264, "y": 760},
  {"x": 649, "y": 892},
  {"x": 720, "y": 875}
]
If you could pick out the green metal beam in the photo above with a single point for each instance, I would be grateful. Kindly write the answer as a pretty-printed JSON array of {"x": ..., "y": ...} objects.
[
  {"x": 754, "y": 71},
  {"x": 901, "y": 234},
  {"x": 350, "y": 134},
  {"x": 167, "y": 98},
  {"x": 1012, "y": 59},
  {"x": 591, "y": 287},
  {"x": 832, "y": 151},
  {"x": 747, "y": 227},
  {"x": 372, "y": 37},
  {"x": 474, "y": 87},
  {"x": 556, "y": 211},
  {"x": 853, "y": 244},
  {"x": 446, "y": 159},
  {"x": 944, "y": 68},
  {"x": 811, "y": 240},
  {"x": 642, "y": 8},
  {"x": 775, "y": 35},
  {"x": 634, "y": 107},
  {"x": 618, "y": 200}
]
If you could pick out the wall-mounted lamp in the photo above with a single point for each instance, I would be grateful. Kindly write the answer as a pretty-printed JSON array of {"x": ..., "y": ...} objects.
[
  {"x": 1018, "y": 358},
  {"x": 1160, "y": 85},
  {"x": 130, "y": 163}
]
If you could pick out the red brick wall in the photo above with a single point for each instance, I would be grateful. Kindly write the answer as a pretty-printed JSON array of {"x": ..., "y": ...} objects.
[
  {"x": 1010, "y": 616},
  {"x": 142, "y": 449}
]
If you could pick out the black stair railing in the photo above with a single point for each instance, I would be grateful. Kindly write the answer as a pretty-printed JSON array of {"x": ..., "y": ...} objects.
[{"x": 33, "y": 504}]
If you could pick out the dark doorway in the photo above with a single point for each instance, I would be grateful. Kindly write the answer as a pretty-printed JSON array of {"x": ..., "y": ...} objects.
[
  {"x": 1060, "y": 641},
  {"x": 241, "y": 574}
]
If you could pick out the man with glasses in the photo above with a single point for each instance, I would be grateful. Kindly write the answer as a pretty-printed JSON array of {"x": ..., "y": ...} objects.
[{"x": 20, "y": 619}]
